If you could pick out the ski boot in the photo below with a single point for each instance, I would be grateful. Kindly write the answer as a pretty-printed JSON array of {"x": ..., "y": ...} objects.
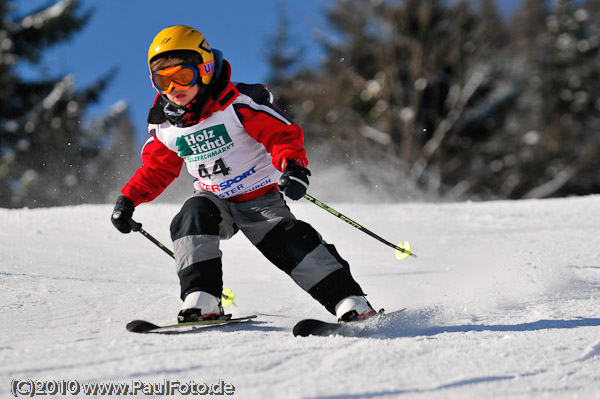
[
  {"x": 354, "y": 308},
  {"x": 200, "y": 305}
]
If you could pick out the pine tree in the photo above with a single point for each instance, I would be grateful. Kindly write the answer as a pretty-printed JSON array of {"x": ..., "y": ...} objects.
[
  {"x": 409, "y": 85},
  {"x": 283, "y": 56},
  {"x": 46, "y": 156},
  {"x": 563, "y": 158},
  {"x": 454, "y": 99}
]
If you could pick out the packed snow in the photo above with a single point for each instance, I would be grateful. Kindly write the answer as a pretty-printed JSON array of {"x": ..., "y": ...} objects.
[{"x": 503, "y": 301}]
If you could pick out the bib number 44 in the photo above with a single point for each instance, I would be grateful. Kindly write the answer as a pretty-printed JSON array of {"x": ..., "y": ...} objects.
[{"x": 219, "y": 167}]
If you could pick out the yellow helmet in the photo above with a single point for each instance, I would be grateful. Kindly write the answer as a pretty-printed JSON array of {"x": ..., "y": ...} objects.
[{"x": 180, "y": 38}]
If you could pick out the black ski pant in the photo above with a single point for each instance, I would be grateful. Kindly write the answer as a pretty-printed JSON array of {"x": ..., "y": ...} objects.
[{"x": 292, "y": 245}]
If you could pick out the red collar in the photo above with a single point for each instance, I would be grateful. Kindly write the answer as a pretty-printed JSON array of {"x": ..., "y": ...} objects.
[{"x": 224, "y": 100}]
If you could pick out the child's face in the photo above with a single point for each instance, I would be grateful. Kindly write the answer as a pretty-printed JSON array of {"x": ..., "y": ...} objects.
[
  {"x": 179, "y": 96},
  {"x": 183, "y": 97}
]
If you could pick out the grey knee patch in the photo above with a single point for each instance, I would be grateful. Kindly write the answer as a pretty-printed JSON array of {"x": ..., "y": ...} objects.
[{"x": 288, "y": 243}]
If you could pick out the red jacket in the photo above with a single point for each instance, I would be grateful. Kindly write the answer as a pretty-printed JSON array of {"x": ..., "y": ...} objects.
[{"x": 160, "y": 166}]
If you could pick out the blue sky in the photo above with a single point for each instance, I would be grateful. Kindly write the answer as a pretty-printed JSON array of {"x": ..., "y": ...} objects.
[{"x": 120, "y": 31}]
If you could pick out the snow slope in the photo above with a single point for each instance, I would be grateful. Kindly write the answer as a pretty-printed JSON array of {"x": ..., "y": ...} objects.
[{"x": 503, "y": 302}]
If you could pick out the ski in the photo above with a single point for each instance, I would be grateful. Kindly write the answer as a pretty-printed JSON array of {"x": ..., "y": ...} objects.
[
  {"x": 307, "y": 327},
  {"x": 143, "y": 326}
]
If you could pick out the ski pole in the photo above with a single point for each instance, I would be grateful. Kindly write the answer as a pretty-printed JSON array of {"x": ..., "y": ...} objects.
[
  {"x": 402, "y": 250},
  {"x": 135, "y": 226}
]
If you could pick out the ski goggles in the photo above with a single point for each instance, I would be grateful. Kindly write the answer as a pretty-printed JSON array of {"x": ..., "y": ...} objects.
[{"x": 180, "y": 76}]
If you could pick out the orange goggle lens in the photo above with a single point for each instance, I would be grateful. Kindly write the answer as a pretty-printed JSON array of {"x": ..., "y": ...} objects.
[{"x": 180, "y": 76}]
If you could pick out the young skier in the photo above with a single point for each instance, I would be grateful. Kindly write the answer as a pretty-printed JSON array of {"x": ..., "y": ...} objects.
[{"x": 242, "y": 151}]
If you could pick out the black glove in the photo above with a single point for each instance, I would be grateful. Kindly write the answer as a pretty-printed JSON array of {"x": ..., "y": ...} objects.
[
  {"x": 294, "y": 181},
  {"x": 121, "y": 216}
]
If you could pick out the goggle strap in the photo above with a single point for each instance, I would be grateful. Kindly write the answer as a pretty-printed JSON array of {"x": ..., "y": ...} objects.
[{"x": 206, "y": 68}]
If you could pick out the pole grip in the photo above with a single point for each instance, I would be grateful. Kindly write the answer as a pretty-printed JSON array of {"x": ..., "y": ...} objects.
[{"x": 135, "y": 226}]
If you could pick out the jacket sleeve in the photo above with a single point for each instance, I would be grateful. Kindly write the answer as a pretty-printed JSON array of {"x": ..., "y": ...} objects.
[
  {"x": 160, "y": 166},
  {"x": 271, "y": 127}
]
